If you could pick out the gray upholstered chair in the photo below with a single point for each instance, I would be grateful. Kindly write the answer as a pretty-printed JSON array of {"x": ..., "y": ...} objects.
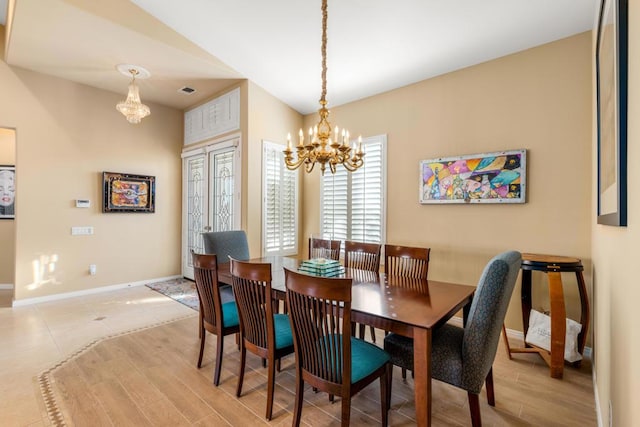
[
  {"x": 227, "y": 244},
  {"x": 464, "y": 357}
]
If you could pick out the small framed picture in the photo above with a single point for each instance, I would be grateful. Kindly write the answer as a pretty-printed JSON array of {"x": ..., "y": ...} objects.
[
  {"x": 7, "y": 191},
  {"x": 128, "y": 193}
]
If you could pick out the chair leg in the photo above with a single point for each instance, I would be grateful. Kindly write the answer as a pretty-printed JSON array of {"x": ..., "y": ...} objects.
[
  {"x": 200, "y": 326},
  {"x": 346, "y": 410},
  {"x": 361, "y": 331},
  {"x": 264, "y": 363},
  {"x": 271, "y": 382},
  {"x": 404, "y": 373},
  {"x": 243, "y": 360},
  {"x": 203, "y": 335},
  {"x": 297, "y": 410},
  {"x": 278, "y": 364},
  {"x": 373, "y": 333},
  {"x": 506, "y": 341},
  {"x": 219, "y": 351},
  {"x": 491, "y": 397},
  {"x": 474, "y": 408}
]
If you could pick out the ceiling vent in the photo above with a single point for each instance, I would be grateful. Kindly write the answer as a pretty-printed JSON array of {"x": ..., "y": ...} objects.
[{"x": 186, "y": 90}]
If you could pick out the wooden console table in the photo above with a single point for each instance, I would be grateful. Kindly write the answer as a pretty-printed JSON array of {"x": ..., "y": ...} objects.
[{"x": 553, "y": 266}]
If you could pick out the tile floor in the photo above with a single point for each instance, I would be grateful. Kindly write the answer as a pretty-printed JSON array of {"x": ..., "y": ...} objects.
[{"x": 35, "y": 337}]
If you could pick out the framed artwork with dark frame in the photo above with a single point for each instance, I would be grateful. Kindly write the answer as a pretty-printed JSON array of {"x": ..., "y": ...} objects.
[
  {"x": 7, "y": 191},
  {"x": 128, "y": 193},
  {"x": 611, "y": 91}
]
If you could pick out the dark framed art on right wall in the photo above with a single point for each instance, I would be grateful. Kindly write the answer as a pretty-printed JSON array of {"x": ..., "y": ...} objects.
[{"x": 611, "y": 94}]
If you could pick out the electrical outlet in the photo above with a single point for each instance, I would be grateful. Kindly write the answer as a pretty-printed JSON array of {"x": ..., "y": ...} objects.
[{"x": 92, "y": 269}]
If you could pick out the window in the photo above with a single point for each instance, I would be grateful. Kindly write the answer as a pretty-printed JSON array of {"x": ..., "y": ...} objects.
[
  {"x": 353, "y": 203},
  {"x": 280, "y": 207}
]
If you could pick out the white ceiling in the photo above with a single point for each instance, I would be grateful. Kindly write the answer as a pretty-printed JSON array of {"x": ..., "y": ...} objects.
[{"x": 373, "y": 45}]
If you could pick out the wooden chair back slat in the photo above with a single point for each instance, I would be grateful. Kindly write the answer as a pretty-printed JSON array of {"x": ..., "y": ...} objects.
[
  {"x": 324, "y": 248},
  {"x": 363, "y": 256},
  {"x": 252, "y": 290},
  {"x": 206, "y": 277},
  {"x": 320, "y": 312},
  {"x": 405, "y": 261}
]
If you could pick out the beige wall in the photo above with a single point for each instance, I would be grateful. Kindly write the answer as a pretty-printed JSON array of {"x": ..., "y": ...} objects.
[
  {"x": 7, "y": 227},
  {"x": 539, "y": 99},
  {"x": 67, "y": 135},
  {"x": 268, "y": 119},
  {"x": 615, "y": 284}
]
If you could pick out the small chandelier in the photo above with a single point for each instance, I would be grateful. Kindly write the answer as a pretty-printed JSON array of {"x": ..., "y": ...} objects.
[
  {"x": 322, "y": 147},
  {"x": 132, "y": 108}
]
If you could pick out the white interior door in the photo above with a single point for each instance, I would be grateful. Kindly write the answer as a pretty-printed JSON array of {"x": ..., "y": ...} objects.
[{"x": 210, "y": 195}]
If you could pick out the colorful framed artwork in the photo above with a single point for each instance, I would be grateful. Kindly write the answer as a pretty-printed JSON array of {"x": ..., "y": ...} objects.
[
  {"x": 128, "y": 193},
  {"x": 7, "y": 191},
  {"x": 611, "y": 95},
  {"x": 478, "y": 178}
]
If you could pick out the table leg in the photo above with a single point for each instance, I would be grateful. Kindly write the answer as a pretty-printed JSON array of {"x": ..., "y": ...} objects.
[
  {"x": 422, "y": 372},
  {"x": 584, "y": 313},
  {"x": 525, "y": 297},
  {"x": 558, "y": 323}
]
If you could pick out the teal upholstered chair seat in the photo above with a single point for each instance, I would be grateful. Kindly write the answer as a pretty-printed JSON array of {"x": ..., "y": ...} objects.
[
  {"x": 366, "y": 358},
  {"x": 464, "y": 357},
  {"x": 284, "y": 338},
  {"x": 230, "y": 314}
]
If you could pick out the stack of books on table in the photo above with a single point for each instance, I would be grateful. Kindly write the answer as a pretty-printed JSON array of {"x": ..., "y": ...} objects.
[{"x": 322, "y": 267}]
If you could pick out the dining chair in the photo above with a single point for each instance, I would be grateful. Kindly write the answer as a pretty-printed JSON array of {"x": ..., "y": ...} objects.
[
  {"x": 215, "y": 317},
  {"x": 363, "y": 256},
  {"x": 225, "y": 244},
  {"x": 406, "y": 261},
  {"x": 324, "y": 248},
  {"x": 262, "y": 332},
  {"x": 463, "y": 357},
  {"x": 327, "y": 356}
]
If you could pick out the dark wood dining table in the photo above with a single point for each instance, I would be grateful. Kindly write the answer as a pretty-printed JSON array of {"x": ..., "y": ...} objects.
[{"x": 406, "y": 306}]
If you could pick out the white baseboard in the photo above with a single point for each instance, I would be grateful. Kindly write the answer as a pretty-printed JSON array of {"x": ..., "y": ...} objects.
[
  {"x": 5, "y": 286},
  {"x": 597, "y": 397},
  {"x": 48, "y": 298}
]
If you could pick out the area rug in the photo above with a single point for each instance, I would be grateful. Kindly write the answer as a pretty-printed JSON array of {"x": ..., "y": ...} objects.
[{"x": 184, "y": 291}]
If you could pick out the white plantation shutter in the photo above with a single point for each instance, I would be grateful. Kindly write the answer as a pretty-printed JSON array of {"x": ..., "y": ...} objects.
[
  {"x": 335, "y": 205},
  {"x": 280, "y": 194},
  {"x": 353, "y": 203}
]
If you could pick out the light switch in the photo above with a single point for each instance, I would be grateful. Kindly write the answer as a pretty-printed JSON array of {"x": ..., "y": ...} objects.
[{"x": 81, "y": 231}]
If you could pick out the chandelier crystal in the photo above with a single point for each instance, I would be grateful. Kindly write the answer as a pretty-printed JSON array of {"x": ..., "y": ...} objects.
[
  {"x": 132, "y": 108},
  {"x": 321, "y": 146}
]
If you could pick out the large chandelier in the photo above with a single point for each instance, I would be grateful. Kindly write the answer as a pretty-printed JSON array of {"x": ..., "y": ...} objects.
[
  {"x": 132, "y": 108},
  {"x": 321, "y": 147}
]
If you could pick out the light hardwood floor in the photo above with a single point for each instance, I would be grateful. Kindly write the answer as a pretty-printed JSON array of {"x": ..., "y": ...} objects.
[{"x": 149, "y": 377}]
